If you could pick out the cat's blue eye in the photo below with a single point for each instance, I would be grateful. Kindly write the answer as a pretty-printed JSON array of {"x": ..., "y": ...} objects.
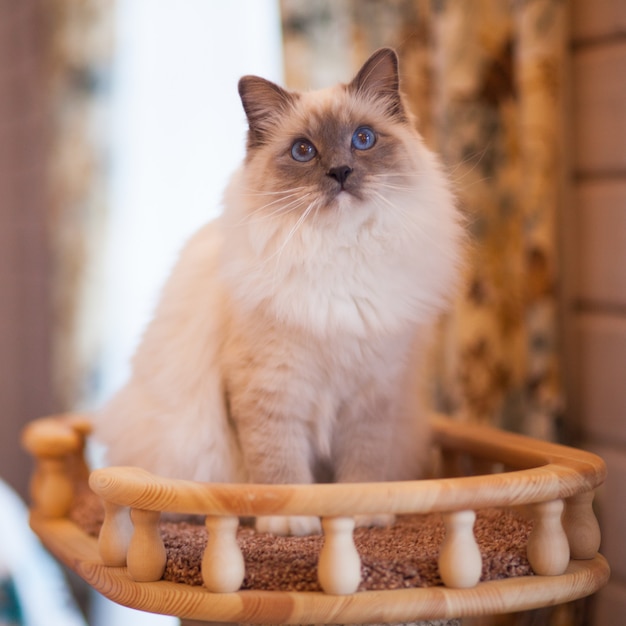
[
  {"x": 303, "y": 150},
  {"x": 363, "y": 138}
]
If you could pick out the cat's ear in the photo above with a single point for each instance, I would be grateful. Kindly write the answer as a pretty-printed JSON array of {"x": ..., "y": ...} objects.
[
  {"x": 264, "y": 103},
  {"x": 379, "y": 78}
]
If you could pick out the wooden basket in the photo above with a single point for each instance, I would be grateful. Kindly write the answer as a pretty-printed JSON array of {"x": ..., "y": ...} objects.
[{"x": 487, "y": 468}]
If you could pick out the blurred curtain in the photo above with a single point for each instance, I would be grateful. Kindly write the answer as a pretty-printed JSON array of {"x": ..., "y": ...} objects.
[
  {"x": 486, "y": 79},
  {"x": 79, "y": 57}
]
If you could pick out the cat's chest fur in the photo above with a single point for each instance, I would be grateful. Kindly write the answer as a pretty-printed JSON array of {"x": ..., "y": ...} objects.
[
  {"x": 308, "y": 380},
  {"x": 350, "y": 275},
  {"x": 315, "y": 324}
]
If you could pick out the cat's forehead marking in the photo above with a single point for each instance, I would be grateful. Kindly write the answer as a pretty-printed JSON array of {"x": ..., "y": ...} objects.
[
  {"x": 318, "y": 107},
  {"x": 321, "y": 98},
  {"x": 335, "y": 107}
]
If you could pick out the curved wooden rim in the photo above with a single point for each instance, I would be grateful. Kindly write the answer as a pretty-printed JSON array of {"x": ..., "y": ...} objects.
[
  {"x": 53, "y": 436},
  {"x": 540, "y": 472},
  {"x": 72, "y": 546}
]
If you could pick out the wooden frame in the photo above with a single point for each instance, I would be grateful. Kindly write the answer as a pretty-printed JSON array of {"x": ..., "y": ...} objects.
[{"x": 485, "y": 468}]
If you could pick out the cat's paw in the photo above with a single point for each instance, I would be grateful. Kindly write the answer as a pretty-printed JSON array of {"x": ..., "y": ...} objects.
[
  {"x": 368, "y": 521},
  {"x": 288, "y": 525}
]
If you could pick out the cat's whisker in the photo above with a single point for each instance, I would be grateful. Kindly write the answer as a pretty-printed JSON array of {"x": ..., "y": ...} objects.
[
  {"x": 387, "y": 175},
  {"x": 396, "y": 187},
  {"x": 280, "y": 210},
  {"x": 398, "y": 208},
  {"x": 294, "y": 229},
  {"x": 474, "y": 182},
  {"x": 278, "y": 253},
  {"x": 297, "y": 205},
  {"x": 294, "y": 192},
  {"x": 385, "y": 200},
  {"x": 480, "y": 153},
  {"x": 259, "y": 214},
  {"x": 386, "y": 180},
  {"x": 251, "y": 192},
  {"x": 406, "y": 175}
]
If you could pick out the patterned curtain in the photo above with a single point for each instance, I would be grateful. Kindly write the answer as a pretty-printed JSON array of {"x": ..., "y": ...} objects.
[
  {"x": 80, "y": 48},
  {"x": 486, "y": 81}
]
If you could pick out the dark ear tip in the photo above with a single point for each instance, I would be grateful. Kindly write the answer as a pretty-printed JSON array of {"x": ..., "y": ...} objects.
[
  {"x": 380, "y": 78},
  {"x": 384, "y": 59},
  {"x": 244, "y": 82},
  {"x": 390, "y": 53},
  {"x": 387, "y": 51}
]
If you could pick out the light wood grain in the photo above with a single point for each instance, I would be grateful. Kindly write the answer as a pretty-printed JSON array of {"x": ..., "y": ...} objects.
[
  {"x": 115, "y": 535},
  {"x": 581, "y": 526},
  {"x": 544, "y": 475},
  {"x": 146, "y": 555},
  {"x": 548, "y": 549},
  {"x": 79, "y": 552},
  {"x": 339, "y": 569},
  {"x": 223, "y": 566},
  {"x": 552, "y": 472},
  {"x": 460, "y": 562},
  {"x": 57, "y": 443}
]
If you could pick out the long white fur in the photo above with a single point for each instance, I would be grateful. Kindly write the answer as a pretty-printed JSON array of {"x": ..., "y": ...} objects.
[{"x": 340, "y": 313}]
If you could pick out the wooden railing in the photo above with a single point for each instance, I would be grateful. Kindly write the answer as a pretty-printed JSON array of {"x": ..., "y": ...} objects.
[{"x": 555, "y": 484}]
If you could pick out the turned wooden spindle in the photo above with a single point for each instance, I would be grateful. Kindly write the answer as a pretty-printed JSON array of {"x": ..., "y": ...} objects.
[
  {"x": 460, "y": 563},
  {"x": 223, "y": 566},
  {"x": 581, "y": 526},
  {"x": 52, "y": 489},
  {"x": 115, "y": 535},
  {"x": 339, "y": 567},
  {"x": 51, "y": 442},
  {"x": 548, "y": 548},
  {"x": 82, "y": 427},
  {"x": 146, "y": 553}
]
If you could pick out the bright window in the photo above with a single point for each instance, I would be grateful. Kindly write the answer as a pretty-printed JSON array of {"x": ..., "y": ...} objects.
[{"x": 178, "y": 132}]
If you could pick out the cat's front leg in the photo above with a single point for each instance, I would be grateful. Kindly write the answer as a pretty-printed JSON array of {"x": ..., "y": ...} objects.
[
  {"x": 361, "y": 453},
  {"x": 380, "y": 436},
  {"x": 276, "y": 450}
]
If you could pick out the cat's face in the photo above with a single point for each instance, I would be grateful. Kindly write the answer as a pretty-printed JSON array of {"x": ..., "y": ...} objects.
[
  {"x": 340, "y": 217},
  {"x": 340, "y": 146}
]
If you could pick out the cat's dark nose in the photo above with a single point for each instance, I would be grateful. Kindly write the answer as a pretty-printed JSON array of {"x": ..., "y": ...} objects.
[{"x": 340, "y": 174}]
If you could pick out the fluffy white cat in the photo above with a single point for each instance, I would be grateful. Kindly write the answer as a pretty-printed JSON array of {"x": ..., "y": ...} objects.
[{"x": 288, "y": 341}]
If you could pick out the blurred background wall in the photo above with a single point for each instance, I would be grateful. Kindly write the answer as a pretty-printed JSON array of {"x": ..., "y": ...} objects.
[
  {"x": 44, "y": 122},
  {"x": 526, "y": 103},
  {"x": 595, "y": 269}
]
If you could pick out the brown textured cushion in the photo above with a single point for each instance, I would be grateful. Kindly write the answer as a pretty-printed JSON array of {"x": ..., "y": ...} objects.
[{"x": 402, "y": 556}]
